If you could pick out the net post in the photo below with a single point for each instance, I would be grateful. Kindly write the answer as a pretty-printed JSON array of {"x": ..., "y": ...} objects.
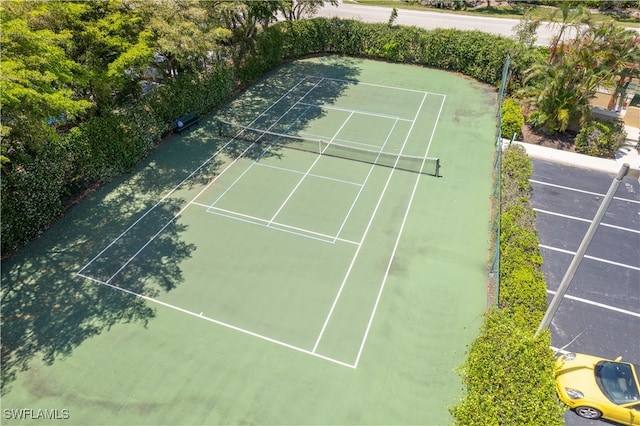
[{"x": 437, "y": 167}]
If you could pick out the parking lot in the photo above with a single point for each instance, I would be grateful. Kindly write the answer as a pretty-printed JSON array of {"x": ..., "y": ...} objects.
[{"x": 600, "y": 313}]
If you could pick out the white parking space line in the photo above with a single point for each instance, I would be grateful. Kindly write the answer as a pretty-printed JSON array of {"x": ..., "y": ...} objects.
[
  {"x": 597, "y": 259},
  {"x": 582, "y": 191},
  {"x": 637, "y": 231},
  {"x": 600, "y": 305}
]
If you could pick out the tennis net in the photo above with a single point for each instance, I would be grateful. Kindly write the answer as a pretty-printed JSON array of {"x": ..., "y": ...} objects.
[{"x": 416, "y": 164}]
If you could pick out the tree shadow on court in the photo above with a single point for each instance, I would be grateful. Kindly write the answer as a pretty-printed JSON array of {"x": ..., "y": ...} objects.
[
  {"x": 48, "y": 310},
  {"x": 266, "y": 104}
]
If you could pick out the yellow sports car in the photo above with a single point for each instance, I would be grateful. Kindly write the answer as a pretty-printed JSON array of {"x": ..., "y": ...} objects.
[{"x": 595, "y": 387}]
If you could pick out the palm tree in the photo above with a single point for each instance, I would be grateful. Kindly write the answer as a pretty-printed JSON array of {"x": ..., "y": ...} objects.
[
  {"x": 621, "y": 55},
  {"x": 602, "y": 56},
  {"x": 575, "y": 18}
]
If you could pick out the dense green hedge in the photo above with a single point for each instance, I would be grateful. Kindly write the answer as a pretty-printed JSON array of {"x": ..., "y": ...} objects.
[
  {"x": 474, "y": 53},
  {"x": 508, "y": 375}
]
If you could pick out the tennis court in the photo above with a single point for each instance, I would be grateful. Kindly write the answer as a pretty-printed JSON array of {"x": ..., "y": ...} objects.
[
  {"x": 333, "y": 218},
  {"x": 300, "y": 265}
]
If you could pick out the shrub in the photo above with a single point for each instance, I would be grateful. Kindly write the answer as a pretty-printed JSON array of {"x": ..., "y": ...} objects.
[
  {"x": 512, "y": 118},
  {"x": 508, "y": 375},
  {"x": 32, "y": 192},
  {"x": 477, "y": 54},
  {"x": 600, "y": 139}
]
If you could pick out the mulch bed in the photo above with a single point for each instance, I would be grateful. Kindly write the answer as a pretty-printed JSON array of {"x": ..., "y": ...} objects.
[{"x": 562, "y": 141}]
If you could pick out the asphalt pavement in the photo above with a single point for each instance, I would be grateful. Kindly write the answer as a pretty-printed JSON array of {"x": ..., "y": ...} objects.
[{"x": 600, "y": 313}]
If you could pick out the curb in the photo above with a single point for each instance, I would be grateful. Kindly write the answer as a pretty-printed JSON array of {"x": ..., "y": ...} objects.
[{"x": 626, "y": 154}]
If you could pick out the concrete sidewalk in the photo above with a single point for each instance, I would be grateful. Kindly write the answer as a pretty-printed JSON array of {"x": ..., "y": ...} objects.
[{"x": 626, "y": 154}]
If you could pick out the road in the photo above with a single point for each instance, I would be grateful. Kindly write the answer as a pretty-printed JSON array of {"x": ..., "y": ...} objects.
[{"x": 432, "y": 20}]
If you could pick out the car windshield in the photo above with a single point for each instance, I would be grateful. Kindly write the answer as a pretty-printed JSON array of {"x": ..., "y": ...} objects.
[{"x": 616, "y": 381}]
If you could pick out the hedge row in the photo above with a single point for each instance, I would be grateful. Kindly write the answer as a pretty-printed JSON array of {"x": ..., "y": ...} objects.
[
  {"x": 474, "y": 53},
  {"x": 508, "y": 375}
]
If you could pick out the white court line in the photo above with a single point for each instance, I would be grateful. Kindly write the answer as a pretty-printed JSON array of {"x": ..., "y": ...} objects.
[
  {"x": 355, "y": 256},
  {"x": 582, "y": 191},
  {"x": 404, "y": 220},
  {"x": 224, "y": 324},
  {"x": 284, "y": 203},
  {"x": 207, "y": 161},
  {"x": 637, "y": 231},
  {"x": 348, "y": 182},
  {"x": 358, "y": 111},
  {"x": 125, "y": 264},
  {"x": 597, "y": 259},
  {"x": 338, "y": 140},
  {"x": 266, "y": 148},
  {"x": 600, "y": 305},
  {"x": 360, "y": 83},
  {"x": 353, "y": 204},
  {"x": 265, "y": 222}
]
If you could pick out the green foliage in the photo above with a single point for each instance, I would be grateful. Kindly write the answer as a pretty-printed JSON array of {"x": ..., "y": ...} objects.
[
  {"x": 474, "y": 53},
  {"x": 32, "y": 191},
  {"x": 566, "y": 81},
  {"x": 266, "y": 53},
  {"x": 37, "y": 81},
  {"x": 107, "y": 146},
  {"x": 393, "y": 17},
  {"x": 512, "y": 118},
  {"x": 187, "y": 92},
  {"x": 600, "y": 139},
  {"x": 508, "y": 375},
  {"x": 517, "y": 169}
]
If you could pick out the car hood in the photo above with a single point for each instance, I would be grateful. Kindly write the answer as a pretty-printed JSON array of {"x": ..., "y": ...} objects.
[{"x": 578, "y": 374}]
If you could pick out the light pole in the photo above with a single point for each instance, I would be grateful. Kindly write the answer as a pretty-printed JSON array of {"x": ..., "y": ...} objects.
[{"x": 575, "y": 262}]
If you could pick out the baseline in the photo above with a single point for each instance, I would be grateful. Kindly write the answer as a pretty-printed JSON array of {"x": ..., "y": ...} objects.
[{"x": 221, "y": 323}]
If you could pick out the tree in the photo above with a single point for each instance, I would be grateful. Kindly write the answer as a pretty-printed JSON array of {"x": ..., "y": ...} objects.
[
  {"x": 297, "y": 9},
  {"x": 393, "y": 17},
  {"x": 603, "y": 56},
  {"x": 620, "y": 52},
  {"x": 112, "y": 44},
  {"x": 186, "y": 35},
  {"x": 526, "y": 31},
  {"x": 39, "y": 81},
  {"x": 571, "y": 17}
]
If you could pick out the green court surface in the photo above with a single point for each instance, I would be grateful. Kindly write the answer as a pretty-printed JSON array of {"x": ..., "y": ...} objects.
[{"x": 231, "y": 282}]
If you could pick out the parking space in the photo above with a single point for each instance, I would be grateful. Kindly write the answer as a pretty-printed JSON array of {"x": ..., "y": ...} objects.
[{"x": 600, "y": 314}]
